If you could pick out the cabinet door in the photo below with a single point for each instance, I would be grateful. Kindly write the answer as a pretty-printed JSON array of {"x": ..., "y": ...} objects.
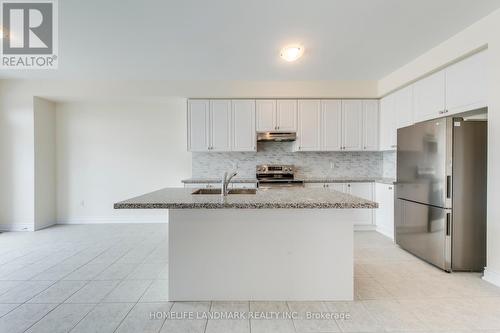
[
  {"x": 352, "y": 124},
  {"x": 286, "y": 115},
  {"x": 243, "y": 117},
  {"x": 466, "y": 84},
  {"x": 403, "y": 106},
  {"x": 362, "y": 217},
  {"x": 362, "y": 190},
  {"x": 429, "y": 97},
  {"x": 388, "y": 131},
  {"x": 220, "y": 125},
  {"x": 308, "y": 134},
  {"x": 314, "y": 185},
  {"x": 384, "y": 214},
  {"x": 370, "y": 125},
  {"x": 331, "y": 125},
  {"x": 340, "y": 187},
  {"x": 266, "y": 115},
  {"x": 198, "y": 125}
]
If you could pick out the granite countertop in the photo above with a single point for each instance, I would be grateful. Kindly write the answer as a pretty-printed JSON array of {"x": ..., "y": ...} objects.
[
  {"x": 350, "y": 180},
  {"x": 290, "y": 198},
  {"x": 383, "y": 180},
  {"x": 217, "y": 180}
]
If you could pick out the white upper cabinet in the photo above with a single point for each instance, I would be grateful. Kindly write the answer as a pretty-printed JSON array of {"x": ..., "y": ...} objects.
[
  {"x": 352, "y": 120},
  {"x": 276, "y": 115},
  {"x": 466, "y": 84},
  {"x": 309, "y": 118},
  {"x": 429, "y": 97},
  {"x": 370, "y": 125},
  {"x": 198, "y": 125},
  {"x": 403, "y": 106},
  {"x": 388, "y": 131},
  {"x": 220, "y": 125},
  {"x": 266, "y": 115},
  {"x": 331, "y": 125},
  {"x": 286, "y": 115},
  {"x": 243, "y": 128}
]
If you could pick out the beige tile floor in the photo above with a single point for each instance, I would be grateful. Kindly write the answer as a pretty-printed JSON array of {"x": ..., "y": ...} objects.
[{"x": 109, "y": 278}]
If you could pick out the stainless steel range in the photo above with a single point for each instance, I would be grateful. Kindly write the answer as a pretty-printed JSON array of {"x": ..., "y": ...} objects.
[{"x": 276, "y": 175}]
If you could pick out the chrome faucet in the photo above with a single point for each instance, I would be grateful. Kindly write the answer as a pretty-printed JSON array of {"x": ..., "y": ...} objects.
[{"x": 225, "y": 182}]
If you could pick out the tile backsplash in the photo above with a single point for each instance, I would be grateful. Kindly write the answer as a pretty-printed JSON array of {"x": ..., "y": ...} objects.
[
  {"x": 389, "y": 164},
  {"x": 308, "y": 164}
]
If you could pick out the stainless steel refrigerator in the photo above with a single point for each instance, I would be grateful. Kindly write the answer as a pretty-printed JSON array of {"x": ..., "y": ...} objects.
[{"x": 440, "y": 197}]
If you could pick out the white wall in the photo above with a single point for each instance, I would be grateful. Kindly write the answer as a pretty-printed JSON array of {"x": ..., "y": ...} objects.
[
  {"x": 111, "y": 151},
  {"x": 16, "y": 162},
  {"x": 484, "y": 33},
  {"x": 44, "y": 113}
]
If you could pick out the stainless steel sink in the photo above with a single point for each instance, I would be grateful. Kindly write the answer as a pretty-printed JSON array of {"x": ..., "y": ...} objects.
[{"x": 230, "y": 191}]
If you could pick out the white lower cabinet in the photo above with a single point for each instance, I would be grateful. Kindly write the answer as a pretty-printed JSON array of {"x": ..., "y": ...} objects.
[
  {"x": 363, "y": 219},
  {"x": 218, "y": 185},
  {"x": 384, "y": 215}
]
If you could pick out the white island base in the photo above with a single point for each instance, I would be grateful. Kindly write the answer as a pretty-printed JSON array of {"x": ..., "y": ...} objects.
[{"x": 260, "y": 254}]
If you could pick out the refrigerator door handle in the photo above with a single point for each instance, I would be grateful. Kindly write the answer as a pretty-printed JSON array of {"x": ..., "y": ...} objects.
[
  {"x": 448, "y": 187},
  {"x": 448, "y": 224}
]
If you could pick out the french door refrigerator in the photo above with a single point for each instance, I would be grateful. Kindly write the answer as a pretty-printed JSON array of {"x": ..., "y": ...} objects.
[{"x": 440, "y": 197}]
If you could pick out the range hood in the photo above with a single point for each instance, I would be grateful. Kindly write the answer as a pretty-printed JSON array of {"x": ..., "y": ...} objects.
[{"x": 276, "y": 136}]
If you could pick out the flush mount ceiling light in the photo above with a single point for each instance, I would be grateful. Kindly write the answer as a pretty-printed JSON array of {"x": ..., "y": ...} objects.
[{"x": 292, "y": 52}]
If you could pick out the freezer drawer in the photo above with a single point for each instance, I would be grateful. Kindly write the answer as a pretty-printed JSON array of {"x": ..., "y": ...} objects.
[{"x": 424, "y": 231}]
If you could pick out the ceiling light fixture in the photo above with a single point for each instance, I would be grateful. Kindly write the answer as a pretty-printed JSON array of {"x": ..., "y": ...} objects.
[{"x": 292, "y": 52}]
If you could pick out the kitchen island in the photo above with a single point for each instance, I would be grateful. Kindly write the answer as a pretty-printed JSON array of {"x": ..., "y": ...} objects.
[{"x": 276, "y": 244}]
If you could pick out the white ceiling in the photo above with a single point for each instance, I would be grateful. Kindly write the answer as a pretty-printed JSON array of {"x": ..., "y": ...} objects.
[{"x": 241, "y": 39}]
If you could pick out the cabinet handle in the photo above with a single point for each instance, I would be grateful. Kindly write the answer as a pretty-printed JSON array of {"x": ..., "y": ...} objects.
[{"x": 390, "y": 187}]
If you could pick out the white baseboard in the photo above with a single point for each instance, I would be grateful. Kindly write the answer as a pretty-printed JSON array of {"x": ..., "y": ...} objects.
[
  {"x": 17, "y": 227},
  {"x": 43, "y": 226},
  {"x": 491, "y": 277},
  {"x": 114, "y": 219},
  {"x": 361, "y": 227}
]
